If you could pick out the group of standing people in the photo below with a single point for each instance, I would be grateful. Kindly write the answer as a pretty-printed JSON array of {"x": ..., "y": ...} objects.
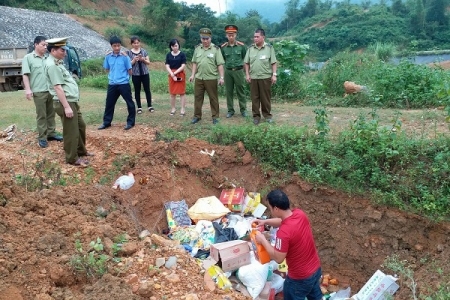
[
  {"x": 228, "y": 63},
  {"x": 54, "y": 90}
]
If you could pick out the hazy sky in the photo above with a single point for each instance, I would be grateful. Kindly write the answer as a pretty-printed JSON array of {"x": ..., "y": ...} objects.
[
  {"x": 270, "y": 9},
  {"x": 219, "y": 6}
]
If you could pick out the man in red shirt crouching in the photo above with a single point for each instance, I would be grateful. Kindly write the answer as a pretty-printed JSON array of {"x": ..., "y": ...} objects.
[{"x": 295, "y": 243}]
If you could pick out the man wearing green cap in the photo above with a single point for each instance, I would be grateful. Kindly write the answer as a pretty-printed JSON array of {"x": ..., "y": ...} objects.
[
  {"x": 207, "y": 65},
  {"x": 233, "y": 53},
  {"x": 66, "y": 97},
  {"x": 261, "y": 72}
]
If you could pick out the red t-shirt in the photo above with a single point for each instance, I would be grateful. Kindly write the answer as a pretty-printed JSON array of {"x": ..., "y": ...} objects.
[{"x": 295, "y": 238}]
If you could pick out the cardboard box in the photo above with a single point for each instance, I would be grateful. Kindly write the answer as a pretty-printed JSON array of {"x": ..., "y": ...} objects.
[
  {"x": 259, "y": 210},
  {"x": 378, "y": 287},
  {"x": 233, "y": 199},
  {"x": 231, "y": 255},
  {"x": 251, "y": 201}
]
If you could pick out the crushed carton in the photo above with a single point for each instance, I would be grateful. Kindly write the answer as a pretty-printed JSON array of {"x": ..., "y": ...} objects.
[
  {"x": 379, "y": 287},
  {"x": 231, "y": 255},
  {"x": 259, "y": 210},
  {"x": 218, "y": 277},
  {"x": 251, "y": 201},
  {"x": 233, "y": 199}
]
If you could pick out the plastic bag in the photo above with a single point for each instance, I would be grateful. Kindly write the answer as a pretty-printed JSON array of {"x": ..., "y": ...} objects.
[
  {"x": 341, "y": 295},
  {"x": 176, "y": 213},
  {"x": 209, "y": 208},
  {"x": 124, "y": 182},
  {"x": 253, "y": 276}
]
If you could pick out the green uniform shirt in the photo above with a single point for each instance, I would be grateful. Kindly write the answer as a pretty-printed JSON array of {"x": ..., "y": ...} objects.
[
  {"x": 56, "y": 74},
  {"x": 233, "y": 55},
  {"x": 33, "y": 66},
  {"x": 260, "y": 61},
  {"x": 207, "y": 60}
]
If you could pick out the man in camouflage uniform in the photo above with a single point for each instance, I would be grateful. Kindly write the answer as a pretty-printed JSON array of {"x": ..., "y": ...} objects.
[
  {"x": 207, "y": 65},
  {"x": 233, "y": 53}
]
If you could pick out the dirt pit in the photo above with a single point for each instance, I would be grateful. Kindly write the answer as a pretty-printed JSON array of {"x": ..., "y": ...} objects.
[{"x": 38, "y": 229}]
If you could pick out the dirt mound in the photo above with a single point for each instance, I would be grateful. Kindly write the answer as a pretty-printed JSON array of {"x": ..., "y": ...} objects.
[{"x": 38, "y": 228}]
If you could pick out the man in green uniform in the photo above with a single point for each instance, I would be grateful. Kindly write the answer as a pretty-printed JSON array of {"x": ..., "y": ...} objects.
[
  {"x": 35, "y": 84},
  {"x": 233, "y": 53},
  {"x": 207, "y": 65},
  {"x": 261, "y": 72},
  {"x": 66, "y": 96}
]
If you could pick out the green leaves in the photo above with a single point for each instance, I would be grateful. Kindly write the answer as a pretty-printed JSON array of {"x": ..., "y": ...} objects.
[{"x": 92, "y": 263}]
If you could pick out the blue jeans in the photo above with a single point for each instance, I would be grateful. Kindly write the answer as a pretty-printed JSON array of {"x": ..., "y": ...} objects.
[{"x": 299, "y": 289}]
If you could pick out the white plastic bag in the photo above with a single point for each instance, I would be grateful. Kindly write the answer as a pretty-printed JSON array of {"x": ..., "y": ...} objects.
[
  {"x": 341, "y": 295},
  {"x": 124, "y": 182},
  {"x": 277, "y": 283},
  {"x": 253, "y": 276}
]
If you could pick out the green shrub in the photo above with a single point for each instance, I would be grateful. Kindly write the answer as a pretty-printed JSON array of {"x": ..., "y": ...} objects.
[
  {"x": 93, "y": 67},
  {"x": 91, "y": 263},
  {"x": 117, "y": 31},
  {"x": 366, "y": 158},
  {"x": 382, "y": 51}
]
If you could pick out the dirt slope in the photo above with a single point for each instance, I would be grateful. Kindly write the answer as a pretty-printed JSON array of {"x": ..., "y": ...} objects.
[{"x": 38, "y": 229}]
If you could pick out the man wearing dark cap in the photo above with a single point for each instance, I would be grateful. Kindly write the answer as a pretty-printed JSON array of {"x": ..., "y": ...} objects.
[
  {"x": 35, "y": 84},
  {"x": 207, "y": 65},
  {"x": 66, "y": 96},
  {"x": 261, "y": 72},
  {"x": 233, "y": 53}
]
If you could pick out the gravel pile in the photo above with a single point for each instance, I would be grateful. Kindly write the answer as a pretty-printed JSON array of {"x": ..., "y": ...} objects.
[{"x": 18, "y": 27}]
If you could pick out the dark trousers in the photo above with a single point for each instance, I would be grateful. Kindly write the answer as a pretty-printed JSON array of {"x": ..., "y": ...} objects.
[
  {"x": 145, "y": 81},
  {"x": 260, "y": 91},
  {"x": 309, "y": 288},
  {"x": 114, "y": 92},
  {"x": 200, "y": 87},
  {"x": 74, "y": 132}
]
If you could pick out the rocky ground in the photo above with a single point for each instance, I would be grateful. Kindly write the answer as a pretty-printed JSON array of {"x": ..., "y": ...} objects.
[
  {"x": 18, "y": 28},
  {"x": 38, "y": 228}
]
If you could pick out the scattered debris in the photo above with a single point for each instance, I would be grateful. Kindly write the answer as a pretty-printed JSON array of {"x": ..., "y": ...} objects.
[
  {"x": 124, "y": 182},
  {"x": 9, "y": 133},
  {"x": 205, "y": 151}
]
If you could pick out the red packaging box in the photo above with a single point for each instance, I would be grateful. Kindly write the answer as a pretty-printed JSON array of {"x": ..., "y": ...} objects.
[{"x": 233, "y": 199}]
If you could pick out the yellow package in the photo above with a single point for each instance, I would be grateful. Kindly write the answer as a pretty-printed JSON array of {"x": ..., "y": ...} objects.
[
  {"x": 251, "y": 201},
  {"x": 219, "y": 277},
  {"x": 283, "y": 267},
  {"x": 170, "y": 220}
]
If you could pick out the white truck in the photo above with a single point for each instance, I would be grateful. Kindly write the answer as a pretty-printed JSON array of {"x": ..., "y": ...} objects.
[{"x": 11, "y": 66}]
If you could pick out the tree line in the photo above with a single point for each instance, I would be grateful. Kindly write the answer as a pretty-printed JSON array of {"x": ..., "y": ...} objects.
[{"x": 327, "y": 26}]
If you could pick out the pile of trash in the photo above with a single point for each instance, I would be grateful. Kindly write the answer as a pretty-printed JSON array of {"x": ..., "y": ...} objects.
[{"x": 219, "y": 233}]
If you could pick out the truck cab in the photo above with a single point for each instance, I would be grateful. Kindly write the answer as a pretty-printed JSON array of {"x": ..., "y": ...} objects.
[{"x": 72, "y": 62}]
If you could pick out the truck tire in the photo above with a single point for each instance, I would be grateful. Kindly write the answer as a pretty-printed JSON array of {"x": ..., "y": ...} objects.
[
  {"x": 2, "y": 89},
  {"x": 8, "y": 87}
]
